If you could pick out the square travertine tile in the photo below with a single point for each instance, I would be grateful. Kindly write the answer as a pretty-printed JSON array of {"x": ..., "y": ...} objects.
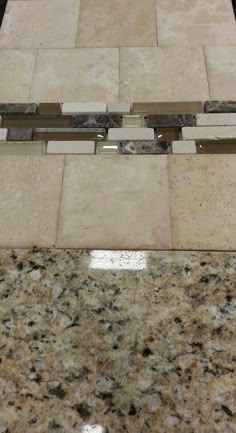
[
  {"x": 84, "y": 75},
  {"x": 203, "y": 201},
  {"x": 163, "y": 74},
  {"x": 221, "y": 70},
  {"x": 30, "y": 197},
  {"x": 40, "y": 24},
  {"x": 115, "y": 202},
  {"x": 195, "y": 23},
  {"x": 117, "y": 23},
  {"x": 16, "y": 73}
]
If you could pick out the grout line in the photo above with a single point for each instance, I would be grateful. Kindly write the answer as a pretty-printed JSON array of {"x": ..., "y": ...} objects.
[
  {"x": 119, "y": 74},
  {"x": 36, "y": 58},
  {"x": 60, "y": 200},
  {"x": 116, "y": 249},
  {"x": 170, "y": 208},
  {"x": 208, "y": 83}
]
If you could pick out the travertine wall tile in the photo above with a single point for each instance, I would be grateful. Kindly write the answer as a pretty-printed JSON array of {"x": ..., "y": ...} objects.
[
  {"x": 119, "y": 134},
  {"x": 218, "y": 119},
  {"x": 72, "y": 147},
  {"x": 183, "y": 146},
  {"x": 208, "y": 132}
]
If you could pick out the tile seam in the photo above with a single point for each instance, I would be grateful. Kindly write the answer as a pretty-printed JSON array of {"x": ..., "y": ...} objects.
[
  {"x": 35, "y": 63},
  {"x": 169, "y": 197},
  {"x": 60, "y": 199},
  {"x": 205, "y": 62}
]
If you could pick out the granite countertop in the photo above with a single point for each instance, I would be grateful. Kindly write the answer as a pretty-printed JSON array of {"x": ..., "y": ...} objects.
[{"x": 131, "y": 342}]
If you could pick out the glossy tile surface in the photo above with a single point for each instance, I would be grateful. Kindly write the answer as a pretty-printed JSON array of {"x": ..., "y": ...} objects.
[
  {"x": 30, "y": 197},
  {"x": 195, "y": 23},
  {"x": 129, "y": 341},
  {"x": 40, "y": 24},
  {"x": 117, "y": 23},
  {"x": 83, "y": 75},
  {"x": 115, "y": 202},
  {"x": 163, "y": 74},
  {"x": 203, "y": 201}
]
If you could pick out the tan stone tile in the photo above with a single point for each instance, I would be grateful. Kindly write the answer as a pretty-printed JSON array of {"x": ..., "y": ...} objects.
[
  {"x": 183, "y": 146},
  {"x": 16, "y": 73},
  {"x": 117, "y": 23},
  {"x": 84, "y": 75},
  {"x": 203, "y": 201},
  {"x": 221, "y": 69},
  {"x": 115, "y": 202},
  {"x": 216, "y": 119},
  {"x": 163, "y": 74},
  {"x": 195, "y": 23},
  {"x": 29, "y": 24},
  {"x": 30, "y": 197},
  {"x": 209, "y": 132}
]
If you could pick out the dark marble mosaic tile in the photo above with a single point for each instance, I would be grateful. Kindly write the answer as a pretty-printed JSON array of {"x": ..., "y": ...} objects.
[
  {"x": 220, "y": 107},
  {"x": 216, "y": 146},
  {"x": 47, "y": 134},
  {"x": 145, "y": 147},
  {"x": 37, "y": 122},
  {"x": 20, "y": 134},
  {"x": 169, "y": 120},
  {"x": 18, "y": 109},
  {"x": 97, "y": 121}
]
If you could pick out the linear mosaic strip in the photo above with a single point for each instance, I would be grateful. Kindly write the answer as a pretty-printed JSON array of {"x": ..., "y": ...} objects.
[{"x": 143, "y": 128}]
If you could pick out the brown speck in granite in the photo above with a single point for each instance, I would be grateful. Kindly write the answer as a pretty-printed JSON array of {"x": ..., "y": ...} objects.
[{"x": 152, "y": 350}]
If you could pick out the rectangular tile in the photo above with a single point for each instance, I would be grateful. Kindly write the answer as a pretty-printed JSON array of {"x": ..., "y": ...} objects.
[
  {"x": 203, "y": 201},
  {"x": 84, "y": 107},
  {"x": 216, "y": 146},
  {"x": 121, "y": 134},
  {"x": 20, "y": 134},
  {"x": 144, "y": 147},
  {"x": 163, "y": 74},
  {"x": 37, "y": 121},
  {"x": 183, "y": 147},
  {"x": 66, "y": 134},
  {"x": 107, "y": 147},
  {"x": 119, "y": 209},
  {"x": 0, "y": 120},
  {"x": 81, "y": 75},
  {"x": 168, "y": 107},
  {"x": 47, "y": 108},
  {"x": 218, "y": 119},
  {"x": 30, "y": 197},
  {"x": 118, "y": 107},
  {"x": 3, "y": 134},
  {"x": 50, "y": 24},
  {"x": 169, "y": 120},
  {"x": 72, "y": 147},
  {"x": 133, "y": 121},
  {"x": 221, "y": 66},
  {"x": 211, "y": 132},
  {"x": 97, "y": 121},
  {"x": 22, "y": 148},
  {"x": 168, "y": 134},
  {"x": 220, "y": 107},
  {"x": 19, "y": 109}
]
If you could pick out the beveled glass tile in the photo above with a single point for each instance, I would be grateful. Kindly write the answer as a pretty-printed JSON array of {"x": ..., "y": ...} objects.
[
  {"x": 167, "y": 107},
  {"x": 216, "y": 146},
  {"x": 49, "y": 109},
  {"x": 66, "y": 134},
  {"x": 133, "y": 121},
  {"x": 107, "y": 147},
  {"x": 22, "y": 148},
  {"x": 37, "y": 121},
  {"x": 168, "y": 134}
]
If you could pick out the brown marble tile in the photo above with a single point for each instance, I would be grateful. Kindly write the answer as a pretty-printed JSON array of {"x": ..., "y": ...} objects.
[
  {"x": 67, "y": 134},
  {"x": 20, "y": 109},
  {"x": 20, "y": 134},
  {"x": 216, "y": 146},
  {"x": 220, "y": 107},
  {"x": 37, "y": 121},
  {"x": 167, "y": 107},
  {"x": 49, "y": 109},
  {"x": 97, "y": 121},
  {"x": 169, "y": 120}
]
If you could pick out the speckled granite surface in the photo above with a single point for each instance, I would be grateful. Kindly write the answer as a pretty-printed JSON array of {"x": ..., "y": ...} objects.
[{"x": 148, "y": 350}]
